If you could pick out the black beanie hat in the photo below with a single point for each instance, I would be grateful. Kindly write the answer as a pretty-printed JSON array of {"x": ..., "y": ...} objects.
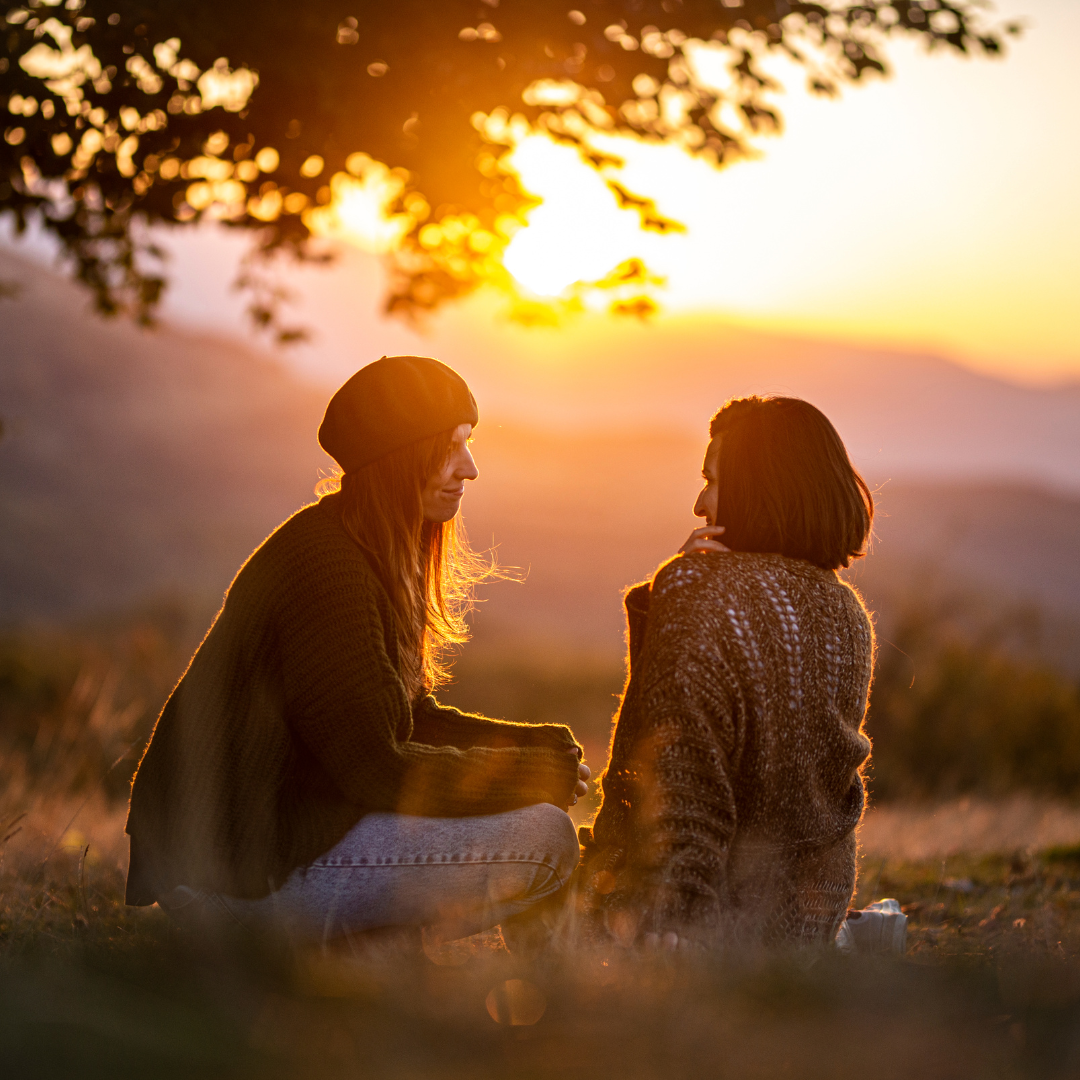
[{"x": 393, "y": 402}]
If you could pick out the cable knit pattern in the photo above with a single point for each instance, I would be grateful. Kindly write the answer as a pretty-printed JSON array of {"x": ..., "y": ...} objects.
[
  {"x": 291, "y": 723},
  {"x": 734, "y": 788}
]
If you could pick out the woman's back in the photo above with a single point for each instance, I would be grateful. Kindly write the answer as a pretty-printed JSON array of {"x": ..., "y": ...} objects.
[{"x": 733, "y": 791}]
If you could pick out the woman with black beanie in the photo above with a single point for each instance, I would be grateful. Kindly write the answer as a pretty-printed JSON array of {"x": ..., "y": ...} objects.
[{"x": 301, "y": 770}]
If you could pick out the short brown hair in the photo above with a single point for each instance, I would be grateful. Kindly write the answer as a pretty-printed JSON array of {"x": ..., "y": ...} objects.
[{"x": 786, "y": 483}]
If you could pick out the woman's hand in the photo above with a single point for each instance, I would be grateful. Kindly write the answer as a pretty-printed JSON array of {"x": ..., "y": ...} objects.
[
  {"x": 703, "y": 539},
  {"x": 581, "y": 788}
]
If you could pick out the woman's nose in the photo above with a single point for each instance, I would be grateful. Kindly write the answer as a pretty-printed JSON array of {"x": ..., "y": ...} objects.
[
  {"x": 467, "y": 469},
  {"x": 699, "y": 506}
]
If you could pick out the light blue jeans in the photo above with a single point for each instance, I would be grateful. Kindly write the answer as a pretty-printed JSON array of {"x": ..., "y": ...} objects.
[{"x": 461, "y": 875}]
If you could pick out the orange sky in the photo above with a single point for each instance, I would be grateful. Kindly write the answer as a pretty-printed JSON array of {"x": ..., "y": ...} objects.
[
  {"x": 935, "y": 210},
  {"x": 939, "y": 209}
]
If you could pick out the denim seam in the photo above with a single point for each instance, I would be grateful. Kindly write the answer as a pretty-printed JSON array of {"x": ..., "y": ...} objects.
[{"x": 391, "y": 863}]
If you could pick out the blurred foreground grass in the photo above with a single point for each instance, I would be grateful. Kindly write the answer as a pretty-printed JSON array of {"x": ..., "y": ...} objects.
[{"x": 990, "y": 987}]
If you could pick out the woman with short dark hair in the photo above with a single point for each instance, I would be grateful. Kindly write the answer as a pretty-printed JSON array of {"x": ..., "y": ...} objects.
[
  {"x": 301, "y": 770},
  {"x": 735, "y": 786}
]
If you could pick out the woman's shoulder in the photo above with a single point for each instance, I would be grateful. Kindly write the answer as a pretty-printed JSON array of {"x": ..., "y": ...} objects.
[
  {"x": 693, "y": 593},
  {"x": 742, "y": 574},
  {"x": 315, "y": 523},
  {"x": 716, "y": 568},
  {"x": 311, "y": 542},
  {"x": 695, "y": 583}
]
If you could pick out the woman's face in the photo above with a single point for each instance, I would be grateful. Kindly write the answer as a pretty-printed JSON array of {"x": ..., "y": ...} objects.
[
  {"x": 442, "y": 493},
  {"x": 709, "y": 496}
]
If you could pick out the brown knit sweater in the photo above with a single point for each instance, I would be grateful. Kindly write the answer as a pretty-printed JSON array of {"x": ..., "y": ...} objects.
[
  {"x": 734, "y": 788},
  {"x": 291, "y": 723}
]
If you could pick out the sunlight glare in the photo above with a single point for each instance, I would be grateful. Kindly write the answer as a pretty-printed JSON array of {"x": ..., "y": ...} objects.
[
  {"x": 892, "y": 215},
  {"x": 359, "y": 210},
  {"x": 578, "y": 233}
]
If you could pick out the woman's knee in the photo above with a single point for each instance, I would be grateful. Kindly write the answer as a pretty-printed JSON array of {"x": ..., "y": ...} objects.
[{"x": 551, "y": 828}]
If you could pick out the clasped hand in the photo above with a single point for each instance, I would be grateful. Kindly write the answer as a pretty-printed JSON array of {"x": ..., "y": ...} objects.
[
  {"x": 666, "y": 942},
  {"x": 581, "y": 788}
]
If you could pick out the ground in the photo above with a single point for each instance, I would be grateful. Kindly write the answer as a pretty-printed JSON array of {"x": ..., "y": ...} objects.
[{"x": 989, "y": 987}]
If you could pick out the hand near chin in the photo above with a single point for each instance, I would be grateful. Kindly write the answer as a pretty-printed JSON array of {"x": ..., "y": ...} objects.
[{"x": 704, "y": 540}]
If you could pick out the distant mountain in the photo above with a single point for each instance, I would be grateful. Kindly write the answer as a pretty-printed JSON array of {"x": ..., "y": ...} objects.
[
  {"x": 900, "y": 415},
  {"x": 136, "y": 463},
  {"x": 588, "y": 515},
  {"x": 1016, "y": 541}
]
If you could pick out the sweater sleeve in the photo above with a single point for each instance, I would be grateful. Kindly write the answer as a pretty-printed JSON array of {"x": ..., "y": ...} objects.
[
  {"x": 619, "y": 778},
  {"x": 637, "y": 620},
  {"x": 687, "y": 719},
  {"x": 345, "y": 702},
  {"x": 443, "y": 725}
]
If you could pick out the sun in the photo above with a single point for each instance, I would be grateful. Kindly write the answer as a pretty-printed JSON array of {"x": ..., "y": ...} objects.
[{"x": 578, "y": 233}]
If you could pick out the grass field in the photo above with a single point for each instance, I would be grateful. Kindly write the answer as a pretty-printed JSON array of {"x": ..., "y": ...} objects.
[{"x": 990, "y": 986}]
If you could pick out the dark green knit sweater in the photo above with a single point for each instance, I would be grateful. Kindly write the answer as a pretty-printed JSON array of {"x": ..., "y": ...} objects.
[{"x": 291, "y": 723}]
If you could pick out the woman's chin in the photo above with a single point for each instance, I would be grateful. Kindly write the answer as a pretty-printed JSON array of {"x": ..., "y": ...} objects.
[{"x": 444, "y": 511}]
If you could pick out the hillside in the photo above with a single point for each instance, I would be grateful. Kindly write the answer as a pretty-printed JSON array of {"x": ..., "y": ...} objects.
[
  {"x": 139, "y": 463},
  {"x": 135, "y": 462},
  {"x": 587, "y": 515},
  {"x": 902, "y": 415}
]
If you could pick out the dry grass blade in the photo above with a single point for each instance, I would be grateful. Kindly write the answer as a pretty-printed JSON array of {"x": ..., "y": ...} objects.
[
  {"x": 7, "y": 828},
  {"x": 82, "y": 806}
]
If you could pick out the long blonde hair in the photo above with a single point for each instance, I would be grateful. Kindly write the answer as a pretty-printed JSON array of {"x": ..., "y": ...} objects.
[{"x": 427, "y": 567}]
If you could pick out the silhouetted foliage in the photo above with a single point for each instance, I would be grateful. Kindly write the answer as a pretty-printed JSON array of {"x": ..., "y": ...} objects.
[
  {"x": 137, "y": 112},
  {"x": 962, "y": 710}
]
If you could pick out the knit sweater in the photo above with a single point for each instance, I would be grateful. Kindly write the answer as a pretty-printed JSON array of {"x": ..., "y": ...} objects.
[
  {"x": 734, "y": 788},
  {"x": 291, "y": 723}
]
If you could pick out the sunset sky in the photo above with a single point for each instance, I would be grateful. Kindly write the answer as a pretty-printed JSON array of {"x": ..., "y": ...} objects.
[{"x": 937, "y": 211}]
